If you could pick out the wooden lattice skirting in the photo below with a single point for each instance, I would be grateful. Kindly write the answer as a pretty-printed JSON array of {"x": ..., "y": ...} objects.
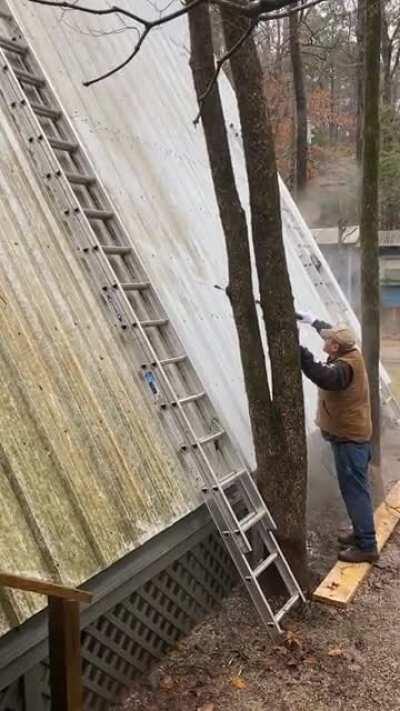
[{"x": 143, "y": 605}]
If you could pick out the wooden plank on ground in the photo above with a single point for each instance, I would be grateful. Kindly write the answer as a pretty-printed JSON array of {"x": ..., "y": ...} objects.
[{"x": 341, "y": 583}]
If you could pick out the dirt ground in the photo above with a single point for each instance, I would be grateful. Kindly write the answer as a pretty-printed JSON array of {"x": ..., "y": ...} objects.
[{"x": 328, "y": 659}]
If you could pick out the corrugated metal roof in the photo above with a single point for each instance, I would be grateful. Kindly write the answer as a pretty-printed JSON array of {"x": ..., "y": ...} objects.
[{"x": 86, "y": 473}]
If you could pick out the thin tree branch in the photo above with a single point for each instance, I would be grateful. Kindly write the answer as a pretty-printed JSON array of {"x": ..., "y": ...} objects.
[
  {"x": 288, "y": 13},
  {"x": 255, "y": 9},
  {"x": 123, "y": 64},
  {"x": 116, "y": 10},
  {"x": 219, "y": 65}
]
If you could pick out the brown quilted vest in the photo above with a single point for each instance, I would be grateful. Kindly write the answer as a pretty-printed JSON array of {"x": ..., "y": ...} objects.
[{"x": 346, "y": 414}]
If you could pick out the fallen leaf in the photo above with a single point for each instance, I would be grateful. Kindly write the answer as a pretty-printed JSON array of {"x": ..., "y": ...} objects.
[
  {"x": 238, "y": 682},
  {"x": 280, "y": 650},
  {"x": 336, "y": 652},
  {"x": 270, "y": 668},
  {"x": 332, "y": 586},
  {"x": 310, "y": 659},
  {"x": 377, "y": 585},
  {"x": 291, "y": 663},
  {"x": 206, "y": 707},
  {"x": 293, "y": 640},
  {"x": 355, "y": 667},
  {"x": 167, "y": 683}
]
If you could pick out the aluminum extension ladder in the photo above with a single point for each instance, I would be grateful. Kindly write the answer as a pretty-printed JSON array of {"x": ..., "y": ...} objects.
[
  {"x": 158, "y": 361},
  {"x": 334, "y": 300}
]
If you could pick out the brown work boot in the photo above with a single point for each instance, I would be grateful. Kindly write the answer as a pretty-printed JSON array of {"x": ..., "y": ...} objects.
[
  {"x": 356, "y": 555},
  {"x": 347, "y": 539}
]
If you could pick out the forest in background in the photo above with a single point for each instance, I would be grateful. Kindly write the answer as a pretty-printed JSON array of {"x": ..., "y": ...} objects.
[{"x": 313, "y": 65}]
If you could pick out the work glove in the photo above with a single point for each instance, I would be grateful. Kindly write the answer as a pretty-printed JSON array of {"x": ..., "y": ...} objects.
[{"x": 306, "y": 317}]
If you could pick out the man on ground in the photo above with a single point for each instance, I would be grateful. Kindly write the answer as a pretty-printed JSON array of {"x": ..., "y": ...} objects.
[{"x": 344, "y": 417}]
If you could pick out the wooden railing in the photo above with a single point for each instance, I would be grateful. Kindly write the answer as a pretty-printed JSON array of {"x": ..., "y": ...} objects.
[{"x": 64, "y": 637}]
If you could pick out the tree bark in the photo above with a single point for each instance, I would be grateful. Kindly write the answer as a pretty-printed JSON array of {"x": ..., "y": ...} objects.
[
  {"x": 370, "y": 307},
  {"x": 389, "y": 203},
  {"x": 333, "y": 132},
  {"x": 386, "y": 58},
  {"x": 233, "y": 219},
  {"x": 361, "y": 9},
  {"x": 284, "y": 485},
  {"x": 301, "y": 105}
]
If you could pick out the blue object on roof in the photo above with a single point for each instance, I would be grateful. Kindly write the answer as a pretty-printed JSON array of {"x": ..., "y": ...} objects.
[{"x": 390, "y": 296}]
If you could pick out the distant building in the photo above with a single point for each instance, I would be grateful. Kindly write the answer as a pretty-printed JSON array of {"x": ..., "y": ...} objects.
[{"x": 342, "y": 250}]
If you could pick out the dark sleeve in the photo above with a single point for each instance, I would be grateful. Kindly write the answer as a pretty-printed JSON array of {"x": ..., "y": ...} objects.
[
  {"x": 330, "y": 376},
  {"x": 321, "y": 325}
]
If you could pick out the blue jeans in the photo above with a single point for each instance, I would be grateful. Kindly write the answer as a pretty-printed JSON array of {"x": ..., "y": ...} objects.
[{"x": 352, "y": 461}]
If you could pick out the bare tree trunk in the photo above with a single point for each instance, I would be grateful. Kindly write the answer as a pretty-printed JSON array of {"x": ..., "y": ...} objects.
[
  {"x": 284, "y": 486},
  {"x": 369, "y": 217},
  {"x": 301, "y": 104},
  {"x": 389, "y": 204},
  {"x": 386, "y": 58},
  {"x": 333, "y": 130},
  {"x": 360, "y": 76},
  {"x": 218, "y": 38},
  {"x": 233, "y": 218}
]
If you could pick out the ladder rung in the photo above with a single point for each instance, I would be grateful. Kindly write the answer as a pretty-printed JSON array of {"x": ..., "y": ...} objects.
[
  {"x": 80, "y": 178},
  {"x": 93, "y": 214},
  {"x": 173, "y": 359},
  {"x": 251, "y": 519},
  {"x": 191, "y": 398},
  {"x": 211, "y": 437},
  {"x": 118, "y": 251},
  {"x": 226, "y": 480},
  {"x": 43, "y": 110},
  {"x": 154, "y": 323},
  {"x": 62, "y": 145},
  {"x": 286, "y": 607},
  {"x": 231, "y": 478},
  {"x": 13, "y": 46},
  {"x": 135, "y": 285},
  {"x": 27, "y": 78},
  {"x": 265, "y": 564}
]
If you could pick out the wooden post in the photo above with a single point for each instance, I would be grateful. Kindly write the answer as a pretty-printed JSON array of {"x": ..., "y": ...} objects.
[
  {"x": 65, "y": 655},
  {"x": 64, "y": 638}
]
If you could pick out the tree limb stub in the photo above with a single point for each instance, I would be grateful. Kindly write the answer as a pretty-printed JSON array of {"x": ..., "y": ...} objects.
[{"x": 220, "y": 62}]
